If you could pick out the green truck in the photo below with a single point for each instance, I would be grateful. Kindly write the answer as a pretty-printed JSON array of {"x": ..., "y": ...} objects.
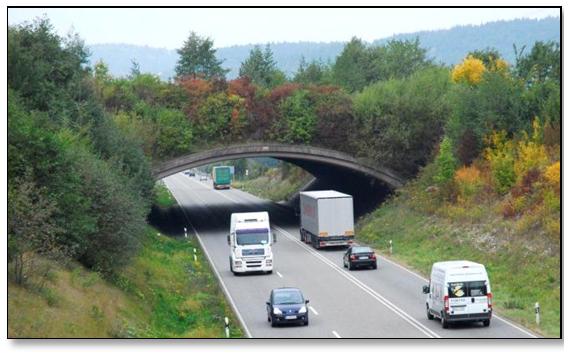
[{"x": 221, "y": 177}]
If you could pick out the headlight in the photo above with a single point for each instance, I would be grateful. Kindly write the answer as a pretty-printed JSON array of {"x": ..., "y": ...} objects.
[
  {"x": 238, "y": 263},
  {"x": 277, "y": 311},
  {"x": 303, "y": 310}
]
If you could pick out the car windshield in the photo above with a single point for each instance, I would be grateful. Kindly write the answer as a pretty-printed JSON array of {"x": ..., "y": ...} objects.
[
  {"x": 467, "y": 289},
  {"x": 287, "y": 297},
  {"x": 252, "y": 236},
  {"x": 361, "y": 250}
]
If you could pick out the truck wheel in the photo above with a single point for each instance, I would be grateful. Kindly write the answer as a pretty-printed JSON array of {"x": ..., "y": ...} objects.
[
  {"x": 429, "y": 315},
  {"x": 444, "y": 322},
  {"x": 486, "y": 322},
  {"x": 302, "y": 236}
]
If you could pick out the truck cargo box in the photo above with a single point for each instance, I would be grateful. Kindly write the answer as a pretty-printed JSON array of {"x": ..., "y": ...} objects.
[{"x": 326, "y": 214}]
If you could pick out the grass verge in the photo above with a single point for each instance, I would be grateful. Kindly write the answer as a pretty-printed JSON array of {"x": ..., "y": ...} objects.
[
  {"x": 162, "y": 196},
  {"x": 277, "y": 184},
  {"x": 162, "y": 293},
  {"x": 521, "y": 273}
]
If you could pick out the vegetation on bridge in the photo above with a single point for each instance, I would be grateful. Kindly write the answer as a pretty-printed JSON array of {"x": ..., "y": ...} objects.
[{"x": 80, "y": 142}]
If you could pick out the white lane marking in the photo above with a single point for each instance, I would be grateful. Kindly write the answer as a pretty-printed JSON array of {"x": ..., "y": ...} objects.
[
  {"x": 314, "y": 311},
  {"x": 426, "y": 280},
  {"x": 279, "y": 274},
  {"x": 226, "y": 292},
  {"x": 515, "y": 326},
  {"x": 336, "y": 334},
  {"x": 395, "y": 264},
  {"x": 385, "y": 302}
]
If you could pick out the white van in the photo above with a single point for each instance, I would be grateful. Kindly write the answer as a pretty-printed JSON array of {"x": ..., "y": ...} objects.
[{"x": 459, "y": 291}]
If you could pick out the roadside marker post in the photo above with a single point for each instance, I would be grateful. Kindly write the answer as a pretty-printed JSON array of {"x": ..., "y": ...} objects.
[
  {"x": 226, "y": 327},
  {"x": 537, "y": 313},
  {"x": 194, "y": 254},
  {"x": 185, "y": 233},
  {"x": 391, "y": 246}
]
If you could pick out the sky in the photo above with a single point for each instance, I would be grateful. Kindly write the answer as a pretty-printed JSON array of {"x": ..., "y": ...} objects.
[{"x": 169, "y": 28}]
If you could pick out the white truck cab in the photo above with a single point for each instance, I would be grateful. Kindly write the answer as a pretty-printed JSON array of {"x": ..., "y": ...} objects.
[
  {"x": 250, "y": 242},
  {"x": 459, "y": 291}
]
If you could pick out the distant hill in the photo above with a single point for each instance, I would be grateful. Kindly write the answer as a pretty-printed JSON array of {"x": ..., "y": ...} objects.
[{"x": 444, "y": 46}]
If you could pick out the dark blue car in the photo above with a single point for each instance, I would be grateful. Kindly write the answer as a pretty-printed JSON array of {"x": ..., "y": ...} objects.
[{"x": 287, "y": 305}]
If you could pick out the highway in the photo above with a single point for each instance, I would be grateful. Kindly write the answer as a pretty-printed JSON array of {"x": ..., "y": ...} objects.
[{"x": 382, "y": 303}]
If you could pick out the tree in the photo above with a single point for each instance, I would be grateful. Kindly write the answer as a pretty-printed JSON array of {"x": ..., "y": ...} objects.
[
  {"x": 31, "y": 227},
  {"x": 351, "y": 65},
  {"x": 399, "y": 122},
  {"x": 297, "y": 118},
  {"x": 541, "y": 64},
  {"x": 198, "y": 58},
  {"x": 446, "y": 162},
  {"x": 315, "y": 72},
  {"x": 261, "y": 68},
  {"x": 397, "y": 59},
  {"x": 134, "y": 69}
]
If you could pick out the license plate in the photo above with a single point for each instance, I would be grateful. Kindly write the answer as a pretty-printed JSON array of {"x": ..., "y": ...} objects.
[
  {"x": 291, "y": 317},
  {"x": 363, "y": 257}
]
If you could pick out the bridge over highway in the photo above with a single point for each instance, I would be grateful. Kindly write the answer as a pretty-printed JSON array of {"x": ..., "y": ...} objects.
[{"x": 318, "y": 161}]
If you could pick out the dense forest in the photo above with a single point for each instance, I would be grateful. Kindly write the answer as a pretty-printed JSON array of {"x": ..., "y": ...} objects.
[
  {"x": 443, "y": 46},
  {"x": 81, "y": 141}
]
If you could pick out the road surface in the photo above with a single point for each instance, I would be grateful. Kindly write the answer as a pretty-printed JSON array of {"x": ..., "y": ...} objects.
[{"x": 382, "y": 303}]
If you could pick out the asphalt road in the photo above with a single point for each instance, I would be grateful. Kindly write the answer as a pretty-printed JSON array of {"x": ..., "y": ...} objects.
[{"x": 382, "y": 303}]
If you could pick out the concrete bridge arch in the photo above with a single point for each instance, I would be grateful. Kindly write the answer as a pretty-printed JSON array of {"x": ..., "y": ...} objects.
[{"x": 312, "y": 159}]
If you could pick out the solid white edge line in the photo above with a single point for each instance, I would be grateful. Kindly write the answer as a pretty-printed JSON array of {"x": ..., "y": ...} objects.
[
  {"x": 399, "y": 266},
  {"x": 385, "y": 302},
  {"x": 314, "y": 311},
  {"x": 336, "y": 334},
  {"x": 222, "y": 285},
  {"x": 426, "y": 280}
]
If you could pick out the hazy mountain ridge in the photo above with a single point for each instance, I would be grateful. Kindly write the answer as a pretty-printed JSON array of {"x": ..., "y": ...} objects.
[{"x": 444, "y": 46}]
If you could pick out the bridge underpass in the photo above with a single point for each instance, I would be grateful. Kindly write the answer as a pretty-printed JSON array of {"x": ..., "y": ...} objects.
[{"x": 367, "y": 183}]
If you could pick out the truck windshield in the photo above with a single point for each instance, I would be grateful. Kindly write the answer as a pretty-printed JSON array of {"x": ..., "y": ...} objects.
[
  {"x": 467, "y": 289},
  {"x": 252, "y": 236}
]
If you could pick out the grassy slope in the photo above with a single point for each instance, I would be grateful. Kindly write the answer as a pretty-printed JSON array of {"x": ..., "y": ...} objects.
[
  {"x": 161, "y": 293},
  {"x": 273, "y": 186},
  {"x": 522, "y": 271}
]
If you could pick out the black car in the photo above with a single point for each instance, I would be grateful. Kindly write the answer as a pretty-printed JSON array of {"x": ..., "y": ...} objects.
[
  {"x": 357, "y": 256},
  {"x": 287, "y": 305}
]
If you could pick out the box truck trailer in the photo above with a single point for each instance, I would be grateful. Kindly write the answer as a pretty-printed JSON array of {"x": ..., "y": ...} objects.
[
  {"x": 326, "y": 218},
  {"x": 459, "y": 291},
  {"x": 221, "y": 177},
  {"x": 250, "y": 241}
]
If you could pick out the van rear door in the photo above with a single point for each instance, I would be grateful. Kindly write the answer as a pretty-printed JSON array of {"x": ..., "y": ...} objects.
[{"x": 468, "y": 297}]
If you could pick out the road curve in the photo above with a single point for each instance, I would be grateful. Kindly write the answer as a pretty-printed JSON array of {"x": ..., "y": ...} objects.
[{"x": 382, "y": 303}]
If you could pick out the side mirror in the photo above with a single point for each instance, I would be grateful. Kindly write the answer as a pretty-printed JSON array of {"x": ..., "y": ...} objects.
[
  {"x": 426, "y": 289},
  {"x": 274, "y": 237},
  {"x": 307, "y": 302},
  {"x": 228, "y": 239},
  {"x": 268, "y": 303}
]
